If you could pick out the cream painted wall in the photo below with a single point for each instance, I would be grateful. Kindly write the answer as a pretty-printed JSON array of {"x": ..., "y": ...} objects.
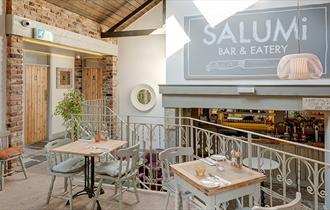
[
  {"x": 2, "y": 66},
  {"x": 174, "y": 64},
  {"x": 55, "y": 127},
  {"x": 141, "y": 60}
]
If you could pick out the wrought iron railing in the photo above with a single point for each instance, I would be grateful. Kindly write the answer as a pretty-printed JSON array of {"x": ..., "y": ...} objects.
[{"x": 295, "y": 166}]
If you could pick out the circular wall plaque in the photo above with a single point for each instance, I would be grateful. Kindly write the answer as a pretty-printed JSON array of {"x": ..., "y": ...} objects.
[{"x": 143, "y": 97}]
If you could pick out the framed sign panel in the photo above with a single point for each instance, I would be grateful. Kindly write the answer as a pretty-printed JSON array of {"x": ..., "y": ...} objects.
[
  {"x": 64, "y": 78},
  {"x": 250, "y": 44}
]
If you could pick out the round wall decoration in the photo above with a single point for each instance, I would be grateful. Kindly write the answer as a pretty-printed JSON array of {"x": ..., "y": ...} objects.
[{"x": 143, "y": 97}]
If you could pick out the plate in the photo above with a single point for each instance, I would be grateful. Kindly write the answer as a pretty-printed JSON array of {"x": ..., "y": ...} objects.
[
  {"x": 210, "y": 182},
  {"x": 218, "y": 157}
]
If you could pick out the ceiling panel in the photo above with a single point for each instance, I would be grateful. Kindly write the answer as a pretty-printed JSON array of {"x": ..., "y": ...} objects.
[{"x": 105, "y": 12}]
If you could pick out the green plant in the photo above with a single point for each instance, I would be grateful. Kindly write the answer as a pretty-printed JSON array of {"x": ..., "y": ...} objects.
[{"x": 70, "y": 109}]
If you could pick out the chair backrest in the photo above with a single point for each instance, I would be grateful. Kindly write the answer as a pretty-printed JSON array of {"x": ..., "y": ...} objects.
[
  {"x": 55, "y": 158},
  {"x": 171, "y": 156},
  {"x": 293, "y": 205},
  {"x": 132, "y": 157},
  {"x": 4, "y": 140}
]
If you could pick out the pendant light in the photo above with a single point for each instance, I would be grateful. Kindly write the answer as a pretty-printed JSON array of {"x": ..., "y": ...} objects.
[{"x": 299, "y": 66}]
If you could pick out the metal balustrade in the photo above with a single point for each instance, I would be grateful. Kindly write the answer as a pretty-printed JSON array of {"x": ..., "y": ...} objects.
[{"x": 301, "y": 167}]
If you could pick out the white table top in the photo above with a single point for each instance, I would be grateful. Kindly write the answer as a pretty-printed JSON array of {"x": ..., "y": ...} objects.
[{"x": 265, "y": 163}]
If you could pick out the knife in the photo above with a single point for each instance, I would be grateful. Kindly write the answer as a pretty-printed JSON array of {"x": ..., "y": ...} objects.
[{"x": 220, "y": 179}]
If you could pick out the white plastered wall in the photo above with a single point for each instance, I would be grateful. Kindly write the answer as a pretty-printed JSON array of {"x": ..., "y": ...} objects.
[{"x": 141, "y": 60}]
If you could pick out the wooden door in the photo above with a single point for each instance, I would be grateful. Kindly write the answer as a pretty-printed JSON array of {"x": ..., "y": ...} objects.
[
  {"x": 92, "y": 83},
  {"x": 36, "y": 103}
]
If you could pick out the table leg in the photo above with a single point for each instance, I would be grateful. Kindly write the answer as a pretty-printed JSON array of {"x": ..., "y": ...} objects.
[
  {"x": 177, "y": 196},
  {"x": 87, "y": 172},
  {"x": 256, "y": 196},
  {"x": 92, "y": 177}
]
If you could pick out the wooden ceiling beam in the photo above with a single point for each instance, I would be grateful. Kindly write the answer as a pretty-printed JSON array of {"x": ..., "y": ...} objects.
[
  {"x": 110, "y": 32},
  {"x": 144, "y": 32}
]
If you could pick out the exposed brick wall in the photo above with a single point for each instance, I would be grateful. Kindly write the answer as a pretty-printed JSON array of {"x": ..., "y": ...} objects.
[
  {"x": 110, "y": 80},
  {"x": 15, "y": 89},
  {"x": 50, "y": 14},
  {"x": 78, "y": 74},
  {"x": 41, "y": 11}
]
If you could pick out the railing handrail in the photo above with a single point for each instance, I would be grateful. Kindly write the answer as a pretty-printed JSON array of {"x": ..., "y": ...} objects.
[
  {"x": 294, "y": 169},
  {"x": 240, "y": 130}
]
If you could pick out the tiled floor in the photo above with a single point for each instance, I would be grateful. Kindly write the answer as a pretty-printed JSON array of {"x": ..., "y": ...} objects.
[
  {"x": 33, "y": 156},
  {"x": 21, "y": 194},
  {"x": 34, "y": 159}
]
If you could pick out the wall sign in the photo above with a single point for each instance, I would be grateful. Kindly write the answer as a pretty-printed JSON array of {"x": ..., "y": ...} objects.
[
  {"x": 251, "y": 43},
  {"x": 42, "y": 34},
  {"x": 316, "y": 104}
]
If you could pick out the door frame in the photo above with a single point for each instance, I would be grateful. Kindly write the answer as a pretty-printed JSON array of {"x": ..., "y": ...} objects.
[{"x": 48, "y": 101}]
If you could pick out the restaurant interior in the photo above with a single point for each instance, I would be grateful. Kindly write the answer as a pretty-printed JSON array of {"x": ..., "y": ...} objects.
[{"x": 164, "y": 104}]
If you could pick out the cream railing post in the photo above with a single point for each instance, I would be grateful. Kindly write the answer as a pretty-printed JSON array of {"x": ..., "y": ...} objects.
[
  {"x": 127, "y": 130},
  {"x": 249, "y": 150},
  {"x": 180, "y": 125}
]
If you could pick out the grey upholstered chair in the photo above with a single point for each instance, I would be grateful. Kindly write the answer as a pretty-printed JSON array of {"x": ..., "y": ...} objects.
[
  {"x": 62, "y": 165},
  {"x": 168, "y": 157},
  {"x": 119, "y": 171}
]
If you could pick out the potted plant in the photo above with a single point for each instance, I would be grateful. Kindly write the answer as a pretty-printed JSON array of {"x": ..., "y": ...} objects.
[{"x": 70, "y": 109}]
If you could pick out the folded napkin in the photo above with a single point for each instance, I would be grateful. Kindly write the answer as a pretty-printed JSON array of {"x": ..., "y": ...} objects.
[{"x": 209, "y": 161}]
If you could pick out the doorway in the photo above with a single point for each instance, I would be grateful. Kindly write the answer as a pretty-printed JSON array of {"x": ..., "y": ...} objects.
[
  {"x": 92, "y": 83},
  {"x": 36, "y": 103}
]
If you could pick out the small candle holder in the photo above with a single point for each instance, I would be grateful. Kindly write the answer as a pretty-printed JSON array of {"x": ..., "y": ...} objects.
[{"x": 200, "y": 170}]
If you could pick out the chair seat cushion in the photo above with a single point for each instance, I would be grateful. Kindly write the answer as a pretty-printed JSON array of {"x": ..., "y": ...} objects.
[
  {"x": 71, "y": 165},
  {"x": 10, "y": 152},
  {"x": 111, "y": 168},
  {"x": 170, "y": 184}
]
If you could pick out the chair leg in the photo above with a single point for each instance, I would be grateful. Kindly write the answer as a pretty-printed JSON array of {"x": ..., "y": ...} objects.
[
  {"x": 120, "y": 196},
  {"x": 98, "y": 191},
  {"x": 167, "y": 199},
  {"x": 2, "y": 174},
  {"x": 23, "y": 166},
  {"x": 70, "y": 193},
  {"x": 51, "y": 189},
  {"x": 65, "y": 184},
  {"x": 135, "y": 191},
  {"x": 116, "y": 189}
]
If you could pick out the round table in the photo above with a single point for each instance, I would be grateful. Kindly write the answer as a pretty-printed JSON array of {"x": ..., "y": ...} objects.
[{"x": 265, "y": 163}]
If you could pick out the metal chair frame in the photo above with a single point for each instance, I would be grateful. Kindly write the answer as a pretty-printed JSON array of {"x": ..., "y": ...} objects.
[
  {"x": 293, "y": 205},
  {"x": 168, "y": 157},
  {"x": 4, "y": 144},
  {"x": 54, "y": 159},
  {"x": 127, "y": 174}
]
